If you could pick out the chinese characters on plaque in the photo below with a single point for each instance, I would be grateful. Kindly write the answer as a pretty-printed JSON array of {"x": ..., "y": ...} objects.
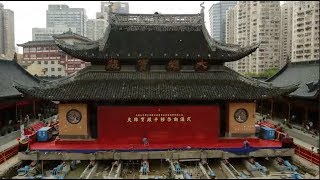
[{"x": 155, "y": 118}]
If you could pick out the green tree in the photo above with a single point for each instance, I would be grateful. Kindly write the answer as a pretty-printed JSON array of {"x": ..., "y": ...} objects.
[{"x": 267, "y": 74}]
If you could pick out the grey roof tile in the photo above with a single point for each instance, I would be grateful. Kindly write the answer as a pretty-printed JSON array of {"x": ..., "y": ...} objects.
[
  {"x": 100, "y": 85},
  {"x": 300, "y": 72},
  {"x": 11, "y": 73}
]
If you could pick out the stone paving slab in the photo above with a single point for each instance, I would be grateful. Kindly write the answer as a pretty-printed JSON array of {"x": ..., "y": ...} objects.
[
  {"x": 301, "y": 138},
  {"x": 6, "y": 166},
  {"x": 8, "y": 145}
]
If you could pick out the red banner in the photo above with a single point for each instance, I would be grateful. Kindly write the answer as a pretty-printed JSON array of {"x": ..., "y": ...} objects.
[{"x": 158, "y": 124}]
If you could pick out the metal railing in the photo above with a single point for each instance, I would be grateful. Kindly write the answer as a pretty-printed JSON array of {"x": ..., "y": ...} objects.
[
  {"x": 9, "y": 153},
  {"x": 307, "y": 154}
]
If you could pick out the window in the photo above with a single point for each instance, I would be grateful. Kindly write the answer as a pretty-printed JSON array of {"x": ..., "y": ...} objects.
[
  {"x": 45, "y": 62},
  {"x": 39, "y": 62},
  {"x": 59, "y": 69},
  {"x": 52, "y": 69},
  {"x": 52, "y": 62}
]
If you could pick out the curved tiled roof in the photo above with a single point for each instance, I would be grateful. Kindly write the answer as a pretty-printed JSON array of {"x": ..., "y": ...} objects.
[
  {"x": 157, "y": 36},
  {"x": 299, "y": 72},
  {"x": 96, "y": 84},
  {"x": 38, "y": 43},
  {"x": 11, "y": 73},
  {"x": 70, "y": 34}
]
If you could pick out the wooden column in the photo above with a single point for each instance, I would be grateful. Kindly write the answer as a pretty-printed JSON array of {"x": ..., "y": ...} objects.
[
  {"x": 261, "y": 104},
  {"x": 305, "y": 120},
  {"x": 16, "y": 112},
  {"x": 289, "y": 109},
  {"x": 271, "y": 113},
  {"x": 34, "y": 109}
]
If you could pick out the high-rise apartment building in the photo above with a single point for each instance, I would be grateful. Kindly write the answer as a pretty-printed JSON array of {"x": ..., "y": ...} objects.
[
  {"x": 286, "y": 32},
  {"x": 43, "y": 34},
  {"x": 7, "y": 42},
  {"x": 231, "y": 30},
  {"x": 305, "y": 31},
  {"x": 96, "y": 28},
  {"x": 120, "y": 7},
  {"x": 116, "y": 7},
  {"x": 63, "y": 16},
  {"x": 257, "y": 21},
  {"x": 217, "y": 18}
]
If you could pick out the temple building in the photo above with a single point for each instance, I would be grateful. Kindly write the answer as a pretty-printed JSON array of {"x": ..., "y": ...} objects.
[
  {"x": 157, "y": 82},
  {"x": 301, "y": 106},
  {"x": 45, "y": 59},
  {"x": 14, "y": 105}
]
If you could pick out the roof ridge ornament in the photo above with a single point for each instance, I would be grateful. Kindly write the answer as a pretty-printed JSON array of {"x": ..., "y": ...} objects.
[{"x": 202, "y": 7}]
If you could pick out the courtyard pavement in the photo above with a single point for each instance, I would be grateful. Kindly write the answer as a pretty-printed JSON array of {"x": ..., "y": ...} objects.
[{"x": 300, "y": 137}]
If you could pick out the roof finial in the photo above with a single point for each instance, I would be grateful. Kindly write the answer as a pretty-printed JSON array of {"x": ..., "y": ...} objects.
[
  {"x": 202, "y": 7},
  {"x": 15, "y": 58}
]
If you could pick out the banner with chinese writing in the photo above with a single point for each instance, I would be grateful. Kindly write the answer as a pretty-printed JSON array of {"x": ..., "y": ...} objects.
[{"x": 158, "y": 124}]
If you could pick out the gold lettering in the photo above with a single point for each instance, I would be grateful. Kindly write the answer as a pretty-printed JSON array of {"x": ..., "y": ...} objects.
[
  {"x": 163, "y": 119},
  {"x": 142, "y": 119},
  {"x": 135, "y": 119},
  {"x": 169, "y": 119},
  {"x": 129, "y": 119},
  {"x": 149, "y": 119},
  {"x": 155, "y": 119},
  {"x": 182, "y": 119},
  {"x": 175, "y": 119},
  {"x": 189, "y": 119}
]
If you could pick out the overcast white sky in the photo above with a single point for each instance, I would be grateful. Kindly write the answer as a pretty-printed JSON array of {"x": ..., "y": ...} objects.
[{"x": 30, "y": 14}]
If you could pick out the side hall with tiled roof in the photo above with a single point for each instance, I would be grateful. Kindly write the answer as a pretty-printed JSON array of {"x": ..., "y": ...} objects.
[
  {"x": 301, "y": 106},
  {"x": 11, "y": 72}
]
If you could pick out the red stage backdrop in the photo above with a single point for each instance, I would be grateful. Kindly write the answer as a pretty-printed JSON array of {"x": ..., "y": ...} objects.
[{"x": 159, "y": 124}]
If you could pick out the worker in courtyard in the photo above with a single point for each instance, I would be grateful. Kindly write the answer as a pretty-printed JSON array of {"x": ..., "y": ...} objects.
[
  {"x": 27, "y": 120},
  {"x": 285, "y": 121},
  {"x": 246, "y": 144}
]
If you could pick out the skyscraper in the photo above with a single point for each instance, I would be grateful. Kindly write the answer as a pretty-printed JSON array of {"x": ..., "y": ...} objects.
[
  {"x": 257, "y": 21},
  {"x": 96, "y": 28},
  {"x": 116, "y": 7},
  {"x": 217, "y": 18},
  {"x": 305, "y": 31},
  {"x": 120, "y": 7},
  {"x": 286, "y": 32},
  {"x": 63, "y": 16},
  {"x": 7, "y": 42},
  {"x": 43, "y": 34}
]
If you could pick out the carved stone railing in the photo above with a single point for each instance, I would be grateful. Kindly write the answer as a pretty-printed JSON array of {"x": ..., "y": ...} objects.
[{"x": 155, "y": 19}]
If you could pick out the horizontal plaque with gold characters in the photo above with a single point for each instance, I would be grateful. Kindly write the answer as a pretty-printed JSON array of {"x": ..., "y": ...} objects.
[
  {"x": 173, "y": 65},
  {"x": 202, "y": 65},
  {"x": 155, "y": 118},
  {"x": 113, "y": 65}
]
